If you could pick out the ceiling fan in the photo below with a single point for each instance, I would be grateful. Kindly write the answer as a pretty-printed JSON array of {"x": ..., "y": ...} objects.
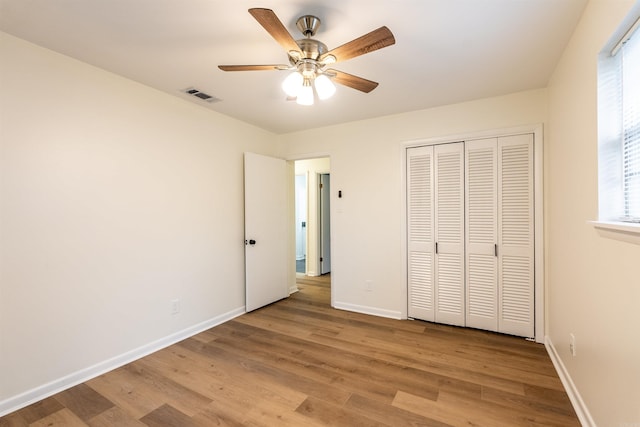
[{"x": 309, "y": 58}]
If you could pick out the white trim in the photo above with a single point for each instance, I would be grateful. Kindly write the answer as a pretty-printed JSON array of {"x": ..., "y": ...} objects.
[
  {"x": 490, "y": 133},
  {"x": 623, "y": 231},
  {"x": 538, "y": 155},
  {"x": 404, "y": 256},
  {"x": 625, "y": 37},
  {"x": 572, "y": 391},
  {"x": 374, "y": 311},
  {"x": 307, "y": 156},
  {"x": 538, "y": 201},
  {"x": 41, "y": 392},
  {"x": 624, "y": 29}
]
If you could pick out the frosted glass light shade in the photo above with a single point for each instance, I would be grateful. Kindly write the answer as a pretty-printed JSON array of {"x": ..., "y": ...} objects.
[
  {"x": 324, "y": 87},
  {"x": 292, "y": 84},
  {"x": 305, "y": 95}
]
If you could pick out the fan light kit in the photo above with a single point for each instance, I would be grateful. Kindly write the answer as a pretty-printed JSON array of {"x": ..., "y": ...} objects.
[{"x": 309, "y": 58}]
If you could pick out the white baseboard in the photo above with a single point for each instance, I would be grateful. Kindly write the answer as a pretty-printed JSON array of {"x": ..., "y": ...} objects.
[
  {"x": 293, "y": 289},
  {"x": 574, "y": 395},
  {"x": 36, "y": 394},
  {"x": 374, "y": 311}
]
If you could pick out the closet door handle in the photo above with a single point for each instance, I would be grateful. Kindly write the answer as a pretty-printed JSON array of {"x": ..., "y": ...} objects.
[
  {"x": 436, "y": 247},
  {"x": 495, "y": 249}
]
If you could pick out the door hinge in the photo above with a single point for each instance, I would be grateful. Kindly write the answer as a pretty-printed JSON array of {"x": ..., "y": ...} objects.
[
  {"x": 321, "y": 259},
  {"x": 321, "y": 186}
]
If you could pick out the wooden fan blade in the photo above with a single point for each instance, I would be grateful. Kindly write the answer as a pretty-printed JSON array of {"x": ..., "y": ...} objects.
[
  {"x": 252, "y": 67},
  {"x": 268, "y": 19},
  {"x": 352, "y": 81},
  {"x": 376, "y": 39}
]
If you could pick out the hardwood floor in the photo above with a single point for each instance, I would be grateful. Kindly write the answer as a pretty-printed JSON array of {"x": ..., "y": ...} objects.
[{"x": 299, "y": 362}]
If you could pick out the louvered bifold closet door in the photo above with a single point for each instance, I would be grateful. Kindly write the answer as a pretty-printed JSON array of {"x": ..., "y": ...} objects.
[
  {"x": 449, "y": 233},
  {"x": 515, "y": 235},
  {"x": 420, "y": 223},
  {"x": 481, "y": 192}
]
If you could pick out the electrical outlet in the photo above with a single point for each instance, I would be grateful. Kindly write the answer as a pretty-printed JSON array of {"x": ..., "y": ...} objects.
[
  {"x": 175, "y": 306},
  {"x": 572, "y": 344},
  {"x": 368, "y": 285}
]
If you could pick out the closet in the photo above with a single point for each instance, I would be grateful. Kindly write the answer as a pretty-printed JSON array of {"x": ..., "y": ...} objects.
[{"x": 470, "y": 218}]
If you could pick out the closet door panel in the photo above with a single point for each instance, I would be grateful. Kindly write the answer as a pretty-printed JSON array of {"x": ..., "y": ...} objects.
[
  {"x": 449, "y": 233},
  {"x": 481, "y": 233},
  {"x": 516, "y": 235},
  {"x": 420, "y": 223}
]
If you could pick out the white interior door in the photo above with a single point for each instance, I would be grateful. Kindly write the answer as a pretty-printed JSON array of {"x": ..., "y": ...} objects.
[
  {"x": 470, "y": 234},
  {"x": 516, "y": 252},
  {"x": 449, "y": 233},
  {"x": 420, "y": 233},
  {"x": 266, "y": 230},
  {"x": 481, "y": 233}
]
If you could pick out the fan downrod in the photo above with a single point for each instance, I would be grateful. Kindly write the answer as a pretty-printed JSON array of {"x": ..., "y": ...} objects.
[{"x": 311, "y": 49}]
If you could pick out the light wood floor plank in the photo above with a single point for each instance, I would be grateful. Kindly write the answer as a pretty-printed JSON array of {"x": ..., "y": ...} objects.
[
  {"x": 414, "y": 360},
  {"x": 83, "y": 401},
  {"x": 347, "y": 370},
  {"x": 31, "y": 413},
  {"x": 114, "y": 417},
  {"x": 62, "y": 418},
  {"x": 390, "y": 415},
  {"x": 166, "y": 415},
  {"x": 124, "y": 391},
  {"x": 444, "y": 413},
  {"x": 327, "y": 414},
  {"x": 219, "y": 380},
  {"x": 260, "y": 373},
  {"x": 299, "y": 362},
  {"x": 441, "y": 352}
]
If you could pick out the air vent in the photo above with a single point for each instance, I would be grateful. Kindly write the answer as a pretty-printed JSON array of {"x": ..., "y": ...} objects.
[{"x": 199, "y": 94}]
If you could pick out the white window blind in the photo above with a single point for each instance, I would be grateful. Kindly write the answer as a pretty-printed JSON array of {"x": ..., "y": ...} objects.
[
  {"x": 630, "y": 64},
  {"x": 619, "y": 128}
]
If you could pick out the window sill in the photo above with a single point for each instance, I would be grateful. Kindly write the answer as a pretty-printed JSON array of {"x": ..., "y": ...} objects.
[{"x": 626, "y": 232}]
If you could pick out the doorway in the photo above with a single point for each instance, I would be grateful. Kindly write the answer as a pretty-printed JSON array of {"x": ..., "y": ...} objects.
[{"x": 312, "y": 206}]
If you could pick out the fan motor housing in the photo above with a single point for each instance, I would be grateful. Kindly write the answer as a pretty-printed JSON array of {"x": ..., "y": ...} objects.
[{"x": 311, "y": 49}]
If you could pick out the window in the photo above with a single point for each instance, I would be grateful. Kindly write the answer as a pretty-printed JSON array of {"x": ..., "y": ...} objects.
[
  {"x": 630, "y": 58},
  {"x": 619, "y": 128}
]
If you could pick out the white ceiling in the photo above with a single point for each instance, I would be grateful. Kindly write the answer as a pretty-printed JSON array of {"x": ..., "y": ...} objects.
[{"x": 446, "y": 51}]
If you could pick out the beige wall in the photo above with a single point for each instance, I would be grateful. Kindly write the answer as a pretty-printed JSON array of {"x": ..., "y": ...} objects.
[
  {"x": 367, "y": 166},
  {"x": 593, "y": 282},
  {"x": 115, "y": 199}
]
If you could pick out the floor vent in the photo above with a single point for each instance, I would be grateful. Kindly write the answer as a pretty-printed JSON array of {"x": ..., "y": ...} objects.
[{"x": 203, "y": 96}]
